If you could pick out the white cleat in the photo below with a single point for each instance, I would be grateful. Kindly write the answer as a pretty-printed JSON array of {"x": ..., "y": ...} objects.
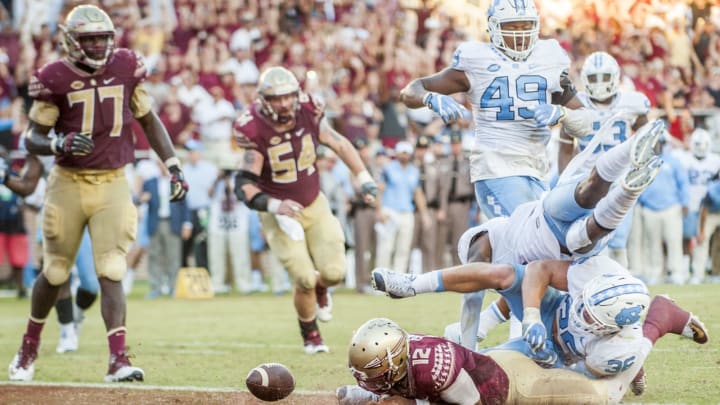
[
  {"x": 645, "y": 143},
  {"x": 68, "y": 339},
  {"x": 120, "y": 370},
  {"x": 394, "y": 284},
  {"x": 638, "y": 179},
  {"x": 19, "y": 372},
  {"x": 316, "y": 348}
]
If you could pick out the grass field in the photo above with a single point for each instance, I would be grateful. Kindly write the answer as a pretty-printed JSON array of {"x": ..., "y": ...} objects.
[{"x": 215, "y": 343}]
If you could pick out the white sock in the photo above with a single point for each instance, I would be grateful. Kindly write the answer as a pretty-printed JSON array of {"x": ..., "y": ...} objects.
[
  {"x": 490, "y": 317},
  {"x": 428, "y": 282},
  {"x": 612, "y": 208},
  {"x": 613, "y": 163}
]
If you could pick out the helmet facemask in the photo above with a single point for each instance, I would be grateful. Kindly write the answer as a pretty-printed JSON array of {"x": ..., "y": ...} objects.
[
  {"x": 608, "y": 303},
  {"x": 88, "y": 36},
  {"x": 514, "y": 27},
  {"x": 378, "y": 355},
  {"x": 278, "y": 92},
  {"x": 601, "y": 76}
]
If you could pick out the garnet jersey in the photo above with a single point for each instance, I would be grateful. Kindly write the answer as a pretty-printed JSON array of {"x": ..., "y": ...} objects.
[
  {"x": 102, "y": 104},
  {"x": 288, "y": 170},
  {"x": 439, "y": 370}
]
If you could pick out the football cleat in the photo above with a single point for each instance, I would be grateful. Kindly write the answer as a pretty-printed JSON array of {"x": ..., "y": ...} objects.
[
  {"x": 639, "y": 383},
  {"x": 22, "y": 367},
  {"x": 120, "y": 369},
  {"x": 312, "y": 340},
  {"x": 696, "y": 330},
  {"x": 645, "y": 142},
  {"x": 394, "y": 284},
  {"x": 324, "y": 303},
  {"x": 637, "y": 179},
  {"x": 68, "y": 339}
]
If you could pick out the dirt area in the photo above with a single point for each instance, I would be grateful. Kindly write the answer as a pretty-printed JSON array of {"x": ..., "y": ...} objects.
[{"x": 59, "y": 395}]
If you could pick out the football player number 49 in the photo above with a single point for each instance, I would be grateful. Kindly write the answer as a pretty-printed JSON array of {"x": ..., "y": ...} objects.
[
  {"x": 527, "y": 88},
  {"x": 86, "y": 98}
]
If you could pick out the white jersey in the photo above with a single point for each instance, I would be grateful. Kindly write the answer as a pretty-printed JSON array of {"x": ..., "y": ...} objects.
[
  {"x": 522, "y": 237},
  {"x": 624, "y": 110},
  {"x": 608, "y": 355},
  {"x": 502, "y": 91},
  {"x": 700, "y": 172}
]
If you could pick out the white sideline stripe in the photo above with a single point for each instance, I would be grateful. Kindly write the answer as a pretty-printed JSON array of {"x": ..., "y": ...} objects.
[{"x": 143, "y": 387}]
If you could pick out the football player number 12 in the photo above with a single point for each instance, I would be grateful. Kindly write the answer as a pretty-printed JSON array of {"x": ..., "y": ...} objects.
[
  {"x": 86, "y": 98},
  {"x": 528, "y": 88}
]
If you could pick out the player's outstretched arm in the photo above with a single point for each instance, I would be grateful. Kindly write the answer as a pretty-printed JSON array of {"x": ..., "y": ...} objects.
[
  {"x": 446, "y": 81},
  {"x": 541, "y": 274},
  {"x": 349, "y": 155},
  {"x": 25, "y": 184}
]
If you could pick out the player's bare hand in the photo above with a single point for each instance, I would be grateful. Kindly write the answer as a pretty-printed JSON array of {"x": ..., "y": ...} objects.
[
  {"x": 73, "y": 143},
  {"x": 290, "y": 208}
]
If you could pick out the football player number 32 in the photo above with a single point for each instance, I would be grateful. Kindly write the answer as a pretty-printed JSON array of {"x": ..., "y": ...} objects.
[
  {"x": 527, "y": 88},
  {"x": 284, "y": 168},
  {"x": 86, "y": 98}
]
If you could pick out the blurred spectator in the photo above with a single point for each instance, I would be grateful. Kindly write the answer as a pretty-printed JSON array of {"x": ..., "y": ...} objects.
[
  {"x": 228, "y": 235},
  {"x": 200, "y": 175},
  {"x": 167, "y": 226},
  {"x": 177, "y": 119},
  {"x": 665, "y": 203},
  {"x": 363, "y": 216},
  {"x": 215, "y": 118}
]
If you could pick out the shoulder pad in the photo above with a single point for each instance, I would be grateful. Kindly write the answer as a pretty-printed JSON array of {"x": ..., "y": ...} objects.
[
  {"x": 245, "y": 132},
  {"x": 132, "y": 61},
  {"x": 314, "y": 106}
]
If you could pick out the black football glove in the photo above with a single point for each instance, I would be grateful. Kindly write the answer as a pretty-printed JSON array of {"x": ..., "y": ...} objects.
[
  {"x": 73, "y": 143},
  {"x": 178, "y": 185}
]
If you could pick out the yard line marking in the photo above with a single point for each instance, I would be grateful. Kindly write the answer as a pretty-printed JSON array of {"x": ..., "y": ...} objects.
[{"x": 143, "y": 387}]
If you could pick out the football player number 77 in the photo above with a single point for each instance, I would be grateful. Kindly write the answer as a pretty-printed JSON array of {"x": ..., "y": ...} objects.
[{"x": 86, "y": 98}]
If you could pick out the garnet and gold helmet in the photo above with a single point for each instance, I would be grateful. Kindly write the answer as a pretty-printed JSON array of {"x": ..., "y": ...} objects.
[
  {"x": 274, "y": 83},
  {"x": 88, "y": 21},
  {"x": 378, "y": 354}
]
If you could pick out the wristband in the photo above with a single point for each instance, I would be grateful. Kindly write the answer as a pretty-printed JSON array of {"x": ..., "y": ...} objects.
[
  {"x": 273, "y": 205},
  {"x": 531, "y": 315},
  {"x": 173, "y": 161},
  {"x": 364, "y": 177},
  {"x": 53, "y": 146}
]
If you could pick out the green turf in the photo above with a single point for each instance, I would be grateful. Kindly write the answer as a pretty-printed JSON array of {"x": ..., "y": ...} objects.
[{"x": 215, "y": 343}]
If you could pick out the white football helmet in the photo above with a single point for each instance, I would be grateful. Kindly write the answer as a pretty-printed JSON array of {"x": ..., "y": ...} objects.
[
  {"x": 601, "y": 76},
  {"x": 378, "y": 354},
  {"x": 700, "y": 143},
  {"x": 608, "y": 303},
  {"x": 517, "y": 44}
]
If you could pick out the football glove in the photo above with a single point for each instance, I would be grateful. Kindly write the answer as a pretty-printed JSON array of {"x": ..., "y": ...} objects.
[
  {"x": 547, "y": 114},
  {"x": 545, "y": 357},
  {"x": 178, "y": 185},
  {"x": 445, "y": 106},
  {"x": 534, "y": 332},
  {"x": 72, "y": 143}
]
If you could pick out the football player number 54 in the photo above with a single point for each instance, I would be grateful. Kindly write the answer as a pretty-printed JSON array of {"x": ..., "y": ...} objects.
[
  {"x": 86, "y": 98},
  {"x": 285, "y": 169}
]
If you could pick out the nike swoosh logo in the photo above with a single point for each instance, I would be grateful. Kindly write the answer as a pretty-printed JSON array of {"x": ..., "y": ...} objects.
[
  {"x": 108, "y": 81},
  {"x": 299, "y": 132}
]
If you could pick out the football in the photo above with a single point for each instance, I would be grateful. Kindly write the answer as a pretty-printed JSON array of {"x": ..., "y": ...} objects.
[{"x": 270, "y": 381}]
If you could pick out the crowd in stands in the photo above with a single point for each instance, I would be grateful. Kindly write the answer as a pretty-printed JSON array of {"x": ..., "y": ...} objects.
[{"x": 204, "y": 58}]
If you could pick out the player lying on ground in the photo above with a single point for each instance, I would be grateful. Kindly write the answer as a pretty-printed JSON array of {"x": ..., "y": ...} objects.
[
  {"x": 394, "y": 367},
  {"x": 610, "y": 336}
]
